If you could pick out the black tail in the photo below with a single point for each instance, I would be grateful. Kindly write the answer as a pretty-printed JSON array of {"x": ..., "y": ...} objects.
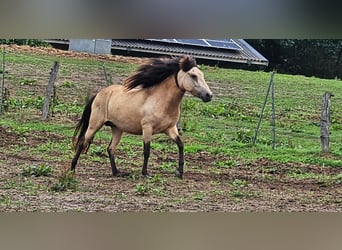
[{"x": 82, "y": 125}]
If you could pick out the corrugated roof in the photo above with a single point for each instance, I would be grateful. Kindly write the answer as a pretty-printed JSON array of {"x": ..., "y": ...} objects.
[{"x": 247, "y": 55}]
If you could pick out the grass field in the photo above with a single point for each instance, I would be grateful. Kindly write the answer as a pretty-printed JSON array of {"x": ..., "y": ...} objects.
[{"x": 224, "y": 171}]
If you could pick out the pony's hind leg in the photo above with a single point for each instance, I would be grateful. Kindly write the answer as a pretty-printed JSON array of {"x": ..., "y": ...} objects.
[
  {"x": 116, "y": 136},
  {"x": 79, "y": 150},
  {"x": 173, "y": 134},
  {"x": 84, "y": 142},
  {"x": 81, "y": 147}
]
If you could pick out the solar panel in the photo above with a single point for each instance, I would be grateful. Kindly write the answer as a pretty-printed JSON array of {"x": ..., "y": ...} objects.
[
  {"x": 226, "y": 44},
  {"x": 211, "y": 43},
  {"x": 198, "y": 42},
  {"x": 164, "y": 40}
]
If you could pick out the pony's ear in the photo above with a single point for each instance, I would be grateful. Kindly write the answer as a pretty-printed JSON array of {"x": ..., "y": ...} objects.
[{"x": 187, "y": 62}]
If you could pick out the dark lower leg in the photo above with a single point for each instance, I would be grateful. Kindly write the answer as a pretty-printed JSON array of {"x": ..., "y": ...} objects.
[
  {"x": 115, "y": 171},
  {"x": 116, "y": 136},
  {"x": 146, "y": 156},
  {"x": 77, "y": 155},
  {"x": 179, "y": 171}
]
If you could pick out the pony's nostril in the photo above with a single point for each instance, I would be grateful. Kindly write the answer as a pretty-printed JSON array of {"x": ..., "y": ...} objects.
[{"x": 207, "y": 97}]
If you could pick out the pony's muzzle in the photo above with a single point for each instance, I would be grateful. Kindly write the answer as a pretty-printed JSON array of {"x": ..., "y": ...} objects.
[{"x": 206, "y": 97}]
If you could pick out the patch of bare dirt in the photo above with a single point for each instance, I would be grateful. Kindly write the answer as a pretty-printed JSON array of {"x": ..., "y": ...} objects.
[{"x": 7, "y": 137}]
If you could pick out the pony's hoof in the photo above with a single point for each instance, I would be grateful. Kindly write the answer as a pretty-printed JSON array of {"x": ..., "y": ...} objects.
[
  {"x": 179, "y": 174},
  {"x": 147, "y": 176},
  {"x": 121, "y": 174}
]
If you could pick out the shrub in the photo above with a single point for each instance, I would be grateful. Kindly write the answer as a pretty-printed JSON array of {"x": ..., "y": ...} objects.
[{"x": 30, "y": 42}]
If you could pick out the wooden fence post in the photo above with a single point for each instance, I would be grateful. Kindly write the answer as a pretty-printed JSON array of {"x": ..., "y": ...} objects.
[
  {"x": 49, "y": 90},
  {"x": 325, "y": 122},
  {"x": 105, "y": 74},
  {"x": 2, "y": 104}
]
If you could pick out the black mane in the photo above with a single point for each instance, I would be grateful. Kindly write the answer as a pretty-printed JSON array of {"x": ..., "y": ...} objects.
[{"x": 156, "y": 70}]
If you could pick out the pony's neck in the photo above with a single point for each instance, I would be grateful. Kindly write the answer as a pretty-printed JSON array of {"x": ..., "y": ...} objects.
[
  {"x": 178, "y": 81},
  {"x": 174, "y": 91}
]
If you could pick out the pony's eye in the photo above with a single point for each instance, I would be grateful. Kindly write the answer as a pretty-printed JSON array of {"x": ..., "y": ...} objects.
[{"x": 193, "y": 77}]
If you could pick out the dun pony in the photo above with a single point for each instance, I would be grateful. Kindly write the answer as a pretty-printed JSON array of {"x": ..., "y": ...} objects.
[{"x": 147, "y": 103}]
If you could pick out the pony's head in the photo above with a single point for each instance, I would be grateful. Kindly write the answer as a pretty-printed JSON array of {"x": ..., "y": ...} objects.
[{"x": 191, "y": 79}]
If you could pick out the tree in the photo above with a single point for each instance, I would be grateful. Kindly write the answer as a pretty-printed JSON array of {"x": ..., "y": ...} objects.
[{"x": 310, "y": 57}]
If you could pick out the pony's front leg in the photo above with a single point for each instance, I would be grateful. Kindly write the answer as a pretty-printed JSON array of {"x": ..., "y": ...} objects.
[
  {"x": 116, "y": 136},
  {"x": 179, "y": 171},
  {"x": 173, "y": 134},
  {"x": 147, "y": 137},
  {"x": 147, "y": 146}
]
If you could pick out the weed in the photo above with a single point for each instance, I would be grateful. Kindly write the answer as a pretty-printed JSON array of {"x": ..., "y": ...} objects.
[
  {"x": 153, "y": 184},
  {"x": 65, "y": 181},
  {"x": 180, "y": 200},
  {"x": 338, "y": 179},
  {"x": 98, "y": 150},
  {"x": 214, "y": 111},
  {"x": 121, "y": 196},
  {"x": 194, "y": 148},
  {"x": 4, "y": 200},
  {"x": 68, "y": 84},
  {"x": 142, "y": 188},
  {"x": 10, "y": 184},
  {"x": 239, "y": 183},
  {"x": 237, "y": 194},
  {"x": 240, "y": 194},
  {"x": 30, "y": 102},
  {"x": 198, "y": 196},
  {"x": 244, "y": 135},
  {"x": 157, "y": 178},
  {"x": 158, "y": 191},
  {"x": 42, "y": 170},
  {"x": 134, "y": 175},
  {"x": 187, "y": 124},
  {"x": 66, "y": 108},
  {"x": 168, "y": 165},
  {"x": 227, "y": 163},
  {"x": 269, "y": 170},
  {"x": 29, "y": 82}
]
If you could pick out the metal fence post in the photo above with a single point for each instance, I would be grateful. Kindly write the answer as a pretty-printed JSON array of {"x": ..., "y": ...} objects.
[
  {"x": 263, "y": 106},
  {"x": 273, "y": 116}
]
